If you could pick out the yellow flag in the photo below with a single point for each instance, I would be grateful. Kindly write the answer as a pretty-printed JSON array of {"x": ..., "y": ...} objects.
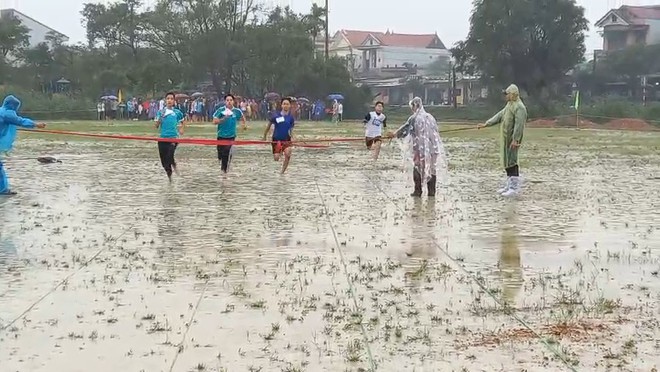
[{"x": 119, "y": 97}]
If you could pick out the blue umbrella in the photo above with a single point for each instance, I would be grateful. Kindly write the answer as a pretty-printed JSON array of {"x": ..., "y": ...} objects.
[
  {"x": 112, "y": 98},
  {"x": 336, "y": 96}
]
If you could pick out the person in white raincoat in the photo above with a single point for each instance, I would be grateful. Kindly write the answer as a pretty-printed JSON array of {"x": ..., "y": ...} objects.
[
  {"x": 420, "y": 134},
  {"x": 512, "y": 119}
]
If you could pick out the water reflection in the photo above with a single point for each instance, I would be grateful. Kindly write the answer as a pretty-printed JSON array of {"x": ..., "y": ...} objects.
[
  {"x": 7, "y": 246},
  {"x": 422, "y": 247},
  {"x": 170, "y": 222},
  {"x": 510, "y": 267},
  {"x": 8, "y": 251}
]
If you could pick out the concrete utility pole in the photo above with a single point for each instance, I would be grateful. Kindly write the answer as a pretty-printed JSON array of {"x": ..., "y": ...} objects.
[
  {"x": 453, "y": 85},
  {"x": 327, "y": 32}
]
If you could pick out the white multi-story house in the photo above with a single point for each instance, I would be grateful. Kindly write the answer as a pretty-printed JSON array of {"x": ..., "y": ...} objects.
[
  {"x": 38, "y": 30},
  {"x": 386, "y": 53},
  {"x": 630, "y": 25}
]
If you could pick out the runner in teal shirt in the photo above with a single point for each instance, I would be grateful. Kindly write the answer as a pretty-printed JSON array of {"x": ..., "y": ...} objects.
[
  {"x": 170, "y": 122},
  {"x": 226, "y": 118}
]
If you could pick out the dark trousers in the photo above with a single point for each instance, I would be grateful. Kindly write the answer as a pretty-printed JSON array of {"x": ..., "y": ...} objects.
[
  {"x": 166, "y": 151},
  {"x": 224, "y": 154},
  {"x": 513, "y": 171}
]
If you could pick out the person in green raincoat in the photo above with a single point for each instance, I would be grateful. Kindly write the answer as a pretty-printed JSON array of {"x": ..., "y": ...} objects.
[{"x": 512, "y": 119}]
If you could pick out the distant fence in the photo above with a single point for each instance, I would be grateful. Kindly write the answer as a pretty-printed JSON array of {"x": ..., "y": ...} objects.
[{"x": 50, "y": 115}]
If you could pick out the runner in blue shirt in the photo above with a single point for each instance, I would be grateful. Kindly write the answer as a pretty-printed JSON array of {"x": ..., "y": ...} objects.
[
  {"x": 282, "y": 123},
  {"x": 170, "y": 122},
  {"x": 226, "y": 118}
]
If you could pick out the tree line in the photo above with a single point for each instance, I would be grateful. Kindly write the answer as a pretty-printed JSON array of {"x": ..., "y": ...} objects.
[
  {"x": 238, "y": 46},
  {"x": 235, "y": 45}
]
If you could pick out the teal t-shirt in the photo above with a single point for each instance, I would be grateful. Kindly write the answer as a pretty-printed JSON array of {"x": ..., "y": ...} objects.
[
  {"x": 169, "y": 122},
  {"x": 227, "y": 129}
]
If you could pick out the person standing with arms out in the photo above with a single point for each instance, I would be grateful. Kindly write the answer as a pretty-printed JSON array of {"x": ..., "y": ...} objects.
[
  {"x": 170, "y": 121},
  {"x": 282, "y": 123},
  {"x": 425, "y": 148},
  {"x": 512, "y": 118},
  {"x": 374, "y": 122},
  {"x": 9, "y": 123},
  {"x": 226, "y": 118}
]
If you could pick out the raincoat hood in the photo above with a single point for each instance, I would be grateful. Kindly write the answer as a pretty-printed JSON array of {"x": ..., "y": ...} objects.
[
  {"x": 11, "y": 103},
  {"x": 512, "y": 89}
]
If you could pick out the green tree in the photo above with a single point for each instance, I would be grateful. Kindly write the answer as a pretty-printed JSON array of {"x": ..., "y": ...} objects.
[
  {"x": 39, "y": 65},
  {"x": 120, "y": 23},
  {"x": 315, "y": 21},
  {"x": 440, "y": 67},
  {"x": 268, "y": 66},
  {"x": 14, "y": 36},
  {"x": 180, "y": 44},
  {"x": 531, "y": 43}
]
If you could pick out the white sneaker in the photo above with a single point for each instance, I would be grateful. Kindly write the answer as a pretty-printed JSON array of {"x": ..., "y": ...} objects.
[
  {"x": 514, "y": 187},
  {"x": 506, "y": 187}
]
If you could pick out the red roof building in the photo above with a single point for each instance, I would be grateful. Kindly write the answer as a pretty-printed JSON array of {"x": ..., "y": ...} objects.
[
  {"x": 630, "y": 25},
  {"x": 377, "y": 52}
]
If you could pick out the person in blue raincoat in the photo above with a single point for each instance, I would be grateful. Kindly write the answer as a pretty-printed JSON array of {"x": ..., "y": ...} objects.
[{"x": 9, "y": 123}]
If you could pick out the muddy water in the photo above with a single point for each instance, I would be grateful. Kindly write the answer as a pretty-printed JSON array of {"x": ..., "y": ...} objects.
[{"x": 105, "y": 266}]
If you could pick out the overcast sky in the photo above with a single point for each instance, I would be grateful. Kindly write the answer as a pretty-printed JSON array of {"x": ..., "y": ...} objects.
[{"x": 449, "y": 19}]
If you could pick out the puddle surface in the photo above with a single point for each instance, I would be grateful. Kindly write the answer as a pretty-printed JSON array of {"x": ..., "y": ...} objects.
[{"x": 102, "y": 259}]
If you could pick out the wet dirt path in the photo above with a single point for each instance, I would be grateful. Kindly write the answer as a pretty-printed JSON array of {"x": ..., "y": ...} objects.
[{"x": 243, "y": 273}]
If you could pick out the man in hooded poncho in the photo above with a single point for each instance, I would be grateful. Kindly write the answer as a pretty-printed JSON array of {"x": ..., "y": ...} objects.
[
  {"x": 424, "y": 144},
  {"x": 512, "y": 119},
  {"x": 9, "y": 123}
]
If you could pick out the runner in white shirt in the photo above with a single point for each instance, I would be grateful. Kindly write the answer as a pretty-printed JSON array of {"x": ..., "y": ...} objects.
[{"x": 374, "y": 122}]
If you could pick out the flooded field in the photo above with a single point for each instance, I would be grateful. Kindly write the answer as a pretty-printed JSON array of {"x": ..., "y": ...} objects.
[{"x": 105, "y": 266}]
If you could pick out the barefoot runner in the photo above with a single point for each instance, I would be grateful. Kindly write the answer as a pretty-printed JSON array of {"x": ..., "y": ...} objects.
[
  {"x": 374, "y": 123},
  {"x": 282, "y": 123},
  {"x": 170, "y": 122},
  {"x": 226, "y": 118}
]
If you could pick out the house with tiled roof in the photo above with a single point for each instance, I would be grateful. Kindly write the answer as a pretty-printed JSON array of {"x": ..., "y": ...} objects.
[
  {"x": 387, "y": 53},
  {"x": 630, "y": 25}
]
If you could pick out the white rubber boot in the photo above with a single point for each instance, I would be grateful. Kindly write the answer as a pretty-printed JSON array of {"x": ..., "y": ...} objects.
[
  {"x": 506, "y": 187},
  {"x": 514, "y": 187}
]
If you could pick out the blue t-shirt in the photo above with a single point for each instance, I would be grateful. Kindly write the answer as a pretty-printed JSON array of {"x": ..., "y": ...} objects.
[
  {"x": 227, "y": 129},
  {"x": 283, "y": 124},
  {"x": 169, "y": 122}
]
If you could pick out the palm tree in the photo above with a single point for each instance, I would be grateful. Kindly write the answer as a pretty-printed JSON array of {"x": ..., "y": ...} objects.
[{"x": 315, "y": 21}]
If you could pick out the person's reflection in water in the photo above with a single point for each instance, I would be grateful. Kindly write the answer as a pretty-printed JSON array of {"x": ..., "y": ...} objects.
[
  {"x": 8, "y": 264},
  {"x": 170, "y": 223},
  {"x": 422, "y": 248},
  {"x": 8, "y": 252},
  {"x": 510, "y": 267}
]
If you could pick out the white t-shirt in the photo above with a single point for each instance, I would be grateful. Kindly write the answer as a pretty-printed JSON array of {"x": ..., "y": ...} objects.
[
  {"x": 374, "y": 124},
  {"x": 340, "y": 109}
]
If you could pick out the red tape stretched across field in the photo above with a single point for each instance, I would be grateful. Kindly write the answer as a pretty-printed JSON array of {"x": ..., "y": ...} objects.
[
  {"x": 196, "y": 141},
  {"x": 211, "y": 142}
]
